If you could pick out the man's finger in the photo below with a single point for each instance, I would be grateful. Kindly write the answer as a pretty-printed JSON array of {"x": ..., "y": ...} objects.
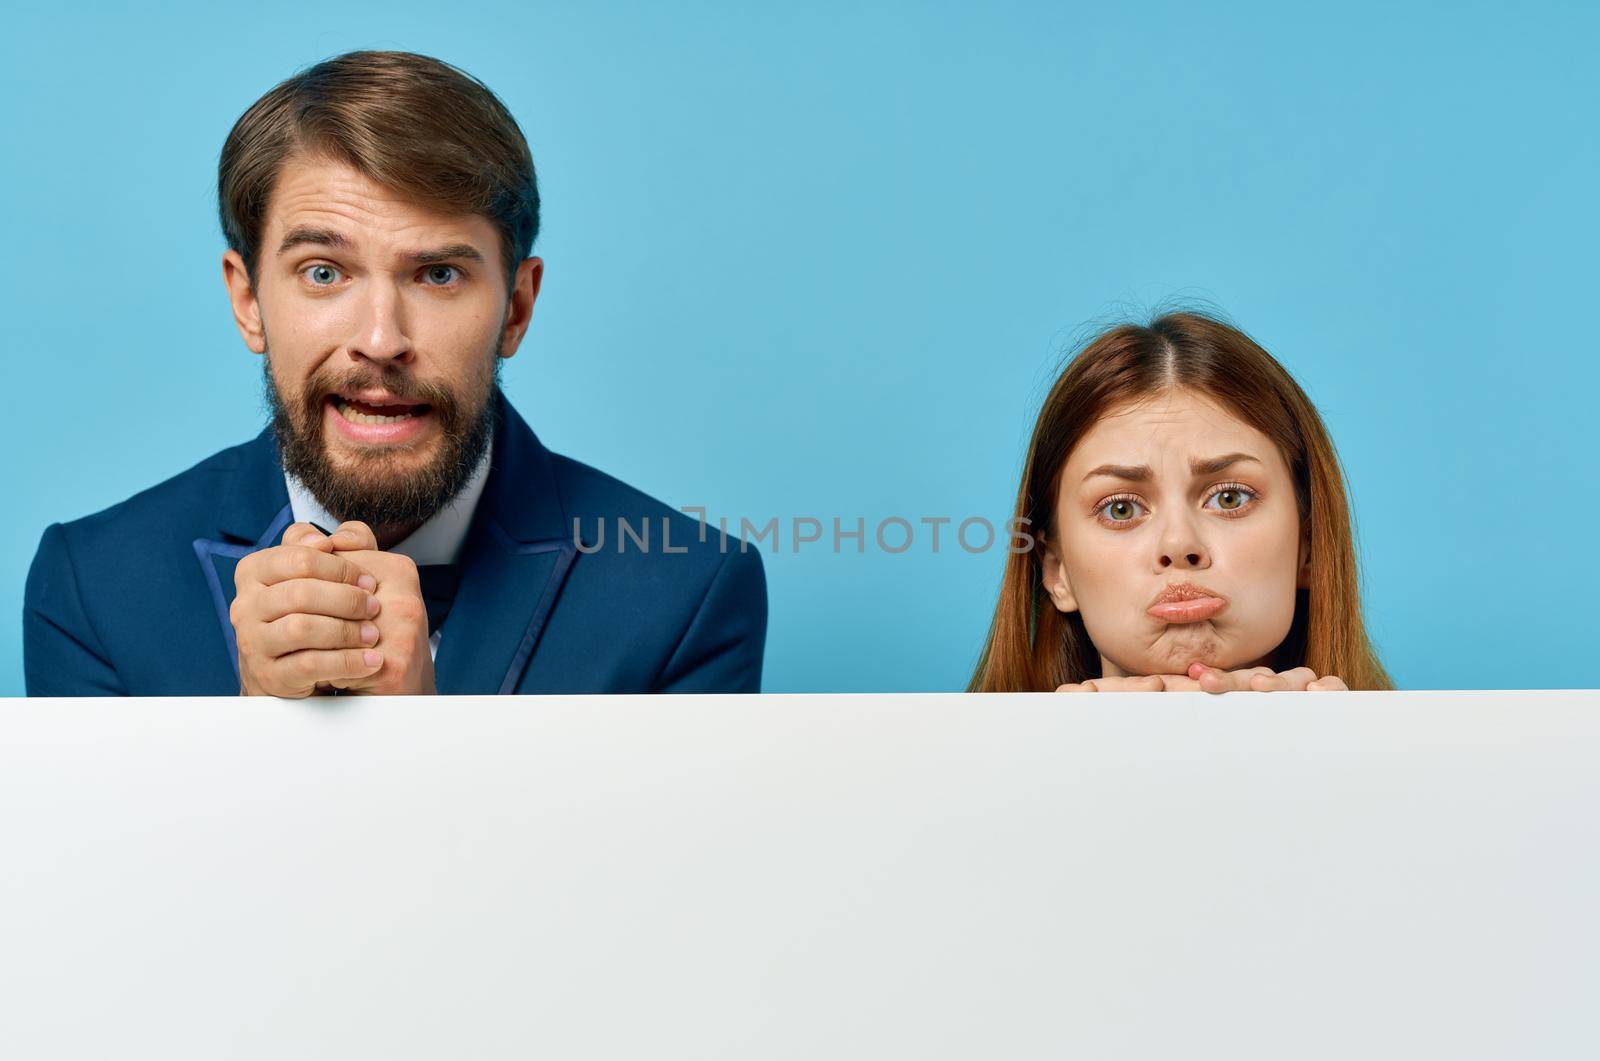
[
  {"x": 300, "y": 630},
  {"x": 300, "y": 534},
  {"x": 291, "y": 562},
  {"x": 353, "y": 534},
  {"x": 304, "y": 670},
  {"x": 315, "y": 596}
]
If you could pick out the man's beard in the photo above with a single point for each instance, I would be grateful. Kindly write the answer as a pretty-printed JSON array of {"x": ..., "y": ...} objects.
[{"x": 374, "y": 488}]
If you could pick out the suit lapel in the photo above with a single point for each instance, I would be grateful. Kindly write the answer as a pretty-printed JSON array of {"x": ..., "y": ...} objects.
[
  {"x": 514, "y": 561},
  {"x": 252, "y": 514}
]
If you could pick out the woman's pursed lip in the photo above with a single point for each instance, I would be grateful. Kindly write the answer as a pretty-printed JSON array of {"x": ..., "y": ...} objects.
[{"x": 1187, "y": 611}]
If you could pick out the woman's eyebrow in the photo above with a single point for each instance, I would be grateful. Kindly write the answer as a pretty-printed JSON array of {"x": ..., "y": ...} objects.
[{"x": 1141, "y": 473}]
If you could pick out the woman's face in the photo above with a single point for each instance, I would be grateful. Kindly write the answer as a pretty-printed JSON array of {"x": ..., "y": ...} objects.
[{"x": 1167, "y": 491}]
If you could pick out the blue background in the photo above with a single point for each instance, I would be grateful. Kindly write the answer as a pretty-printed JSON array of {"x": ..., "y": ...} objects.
[{"x": 825, "y": 262}]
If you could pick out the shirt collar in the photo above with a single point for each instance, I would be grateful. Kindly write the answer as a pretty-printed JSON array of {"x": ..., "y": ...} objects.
[{"x": 438, "y": 541}]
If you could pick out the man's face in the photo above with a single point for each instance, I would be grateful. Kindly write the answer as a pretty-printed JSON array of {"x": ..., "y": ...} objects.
[{"x": 374, "y": 305}]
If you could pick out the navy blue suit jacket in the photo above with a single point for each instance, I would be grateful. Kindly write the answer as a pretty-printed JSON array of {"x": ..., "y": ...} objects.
[{"x": 133, "y": 600}]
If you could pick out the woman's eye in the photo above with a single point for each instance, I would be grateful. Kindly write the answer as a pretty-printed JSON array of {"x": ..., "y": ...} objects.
[
  {"x": 1232, "y": 498},
  {"x": 321, "y": 275},
  {"x": 1120, "y": 509},
  {"x": 440, "y": 275}
]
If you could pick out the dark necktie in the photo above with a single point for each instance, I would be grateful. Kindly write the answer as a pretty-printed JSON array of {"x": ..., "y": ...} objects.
[{"x": 439, "y": 584}]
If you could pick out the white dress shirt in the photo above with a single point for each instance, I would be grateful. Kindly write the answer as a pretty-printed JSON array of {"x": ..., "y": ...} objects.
[{"x": 438, "y": 541}]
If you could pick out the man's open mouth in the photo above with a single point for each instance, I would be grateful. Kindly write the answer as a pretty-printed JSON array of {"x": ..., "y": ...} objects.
[{"x": 365, "y": 413}]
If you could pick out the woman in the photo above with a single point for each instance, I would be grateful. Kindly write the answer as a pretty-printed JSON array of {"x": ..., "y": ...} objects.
[{"x": 1186, "y": 527}]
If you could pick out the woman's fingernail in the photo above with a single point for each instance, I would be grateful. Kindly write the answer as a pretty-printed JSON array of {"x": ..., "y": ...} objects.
[
  {"x": 371, "y": 658},
  {"x": 369, "y": 632},
  {"x": 367, "y": 582}
]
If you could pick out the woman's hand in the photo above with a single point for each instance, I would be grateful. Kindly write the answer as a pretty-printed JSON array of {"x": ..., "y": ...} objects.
[
  {"x": 1202, "y": 678},
  {"x": 1264, "y": 680},
  {"x": 1148, "y": 683}
]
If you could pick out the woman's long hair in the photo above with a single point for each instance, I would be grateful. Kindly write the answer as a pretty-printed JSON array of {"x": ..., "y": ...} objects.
[{"x": 1033, "y": 647}]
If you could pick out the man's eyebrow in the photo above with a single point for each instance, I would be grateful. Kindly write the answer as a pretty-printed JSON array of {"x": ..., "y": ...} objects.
[
  {"x": 1141, "y": 473},
  {"x": 322, "y": 236},
  {"x": 453, "y": 251}
]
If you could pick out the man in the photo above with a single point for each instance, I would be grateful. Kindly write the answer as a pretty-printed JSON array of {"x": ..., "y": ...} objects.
[{"x": 379, "y": 210}]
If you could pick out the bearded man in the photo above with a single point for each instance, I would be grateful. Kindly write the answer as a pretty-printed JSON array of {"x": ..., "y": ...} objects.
[{"x": 380, "y": 209}]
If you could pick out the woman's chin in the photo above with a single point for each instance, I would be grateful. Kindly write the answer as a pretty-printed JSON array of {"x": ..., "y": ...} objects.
[
  {"x": 1176, "y": 654},
  {"x": 1182, "y": 646}
]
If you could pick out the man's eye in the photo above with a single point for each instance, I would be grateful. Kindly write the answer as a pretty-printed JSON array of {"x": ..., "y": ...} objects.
[
  {"x": 441, "y": 275},
  {"x": 321, "y": 275}
]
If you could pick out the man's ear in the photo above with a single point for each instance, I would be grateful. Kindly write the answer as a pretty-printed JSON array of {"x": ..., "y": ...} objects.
[
  {"x": 519, "y": 310},
  {"x": 1055, "y": 578},
  {"x": 246, "y": 308}
]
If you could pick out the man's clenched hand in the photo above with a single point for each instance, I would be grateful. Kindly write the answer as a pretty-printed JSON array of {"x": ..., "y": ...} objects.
[
  {"x": 303, "y": 617},
  {"x": 402, "y": 620}
]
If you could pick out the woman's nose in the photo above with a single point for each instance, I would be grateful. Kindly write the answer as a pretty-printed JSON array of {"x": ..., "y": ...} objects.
[{"x": 1180, "y": 546}]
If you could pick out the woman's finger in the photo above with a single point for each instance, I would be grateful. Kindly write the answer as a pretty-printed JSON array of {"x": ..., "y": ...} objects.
[
  {"x": 1179, "y": 683},
  {"x": 1297, "y": 679},
  {"x": 1216, "y": 680},
  {"x": 1140, "y": 683},
  {"x": 1213, "y": 680},
  {"x": 1130, "y": 683},
  {"x": 1328, "y": 684}
]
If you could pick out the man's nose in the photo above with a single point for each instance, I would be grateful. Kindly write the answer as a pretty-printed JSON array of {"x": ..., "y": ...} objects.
[{"x": 380, "y": 333}]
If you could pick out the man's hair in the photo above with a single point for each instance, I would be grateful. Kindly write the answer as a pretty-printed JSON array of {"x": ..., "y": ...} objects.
[{"x": 409, "y": 122}]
